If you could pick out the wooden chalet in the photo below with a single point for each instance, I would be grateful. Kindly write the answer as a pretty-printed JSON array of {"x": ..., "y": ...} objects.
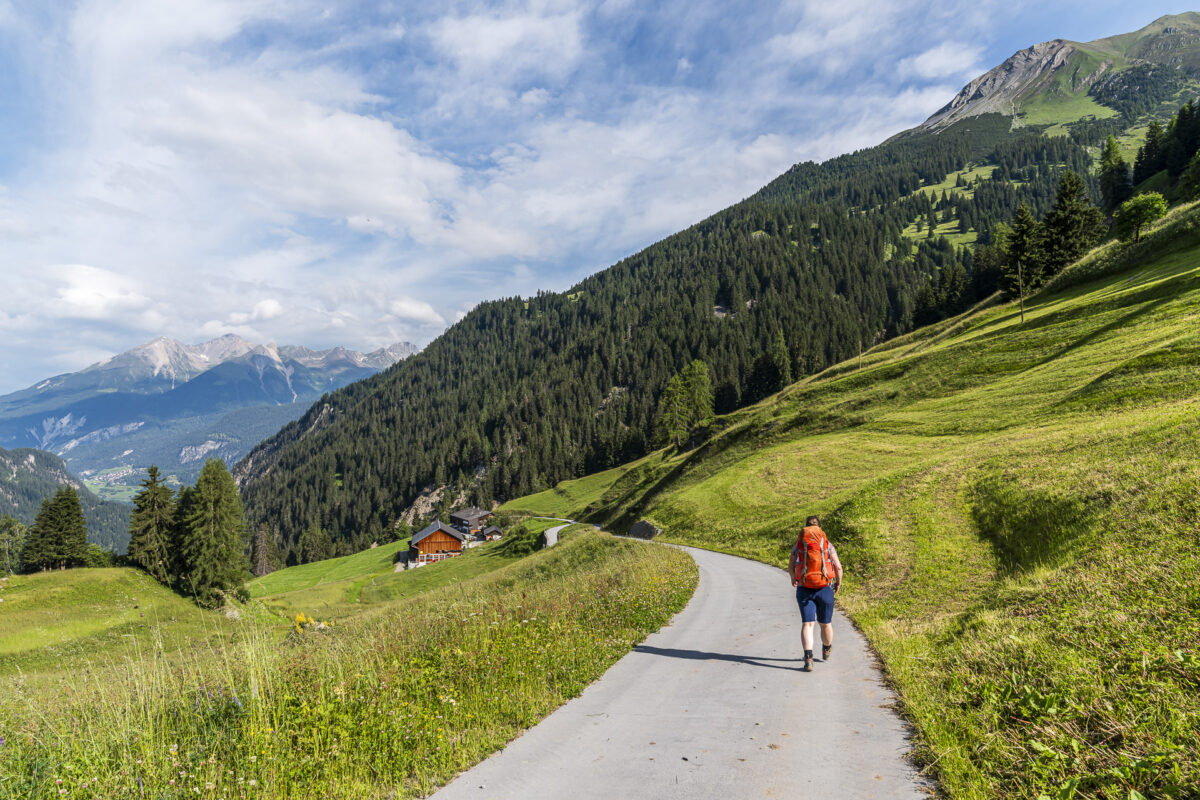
[
  {"x": 436, "y": 543},
  {"x": 470, "y": 520},
  {"x": 491, "y": 533}
]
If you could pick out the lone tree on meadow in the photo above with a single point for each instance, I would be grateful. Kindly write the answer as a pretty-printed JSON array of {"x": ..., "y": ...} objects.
[
  {"x": 58, "y": 537},
  {"x": 1139, "y": 212},
  {"x": 1025, "y": 255},
  {"x": 150, "y": 527}
]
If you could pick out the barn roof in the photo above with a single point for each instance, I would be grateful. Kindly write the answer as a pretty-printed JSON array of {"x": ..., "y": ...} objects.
[
  {"x": 429, "y": 531},
  {"x": 471, "y": 514},
  {"x": 490, "y": 529}
]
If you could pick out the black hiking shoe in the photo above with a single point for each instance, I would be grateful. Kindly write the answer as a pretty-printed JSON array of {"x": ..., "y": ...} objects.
[
  {"x": 825, "y": 651},
  {"x": 808, "y": 662}
]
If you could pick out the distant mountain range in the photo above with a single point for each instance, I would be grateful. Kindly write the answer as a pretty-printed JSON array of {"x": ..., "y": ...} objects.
[
  {"x": 29, "y": 476},
  {"x": 175, "y": 405}
]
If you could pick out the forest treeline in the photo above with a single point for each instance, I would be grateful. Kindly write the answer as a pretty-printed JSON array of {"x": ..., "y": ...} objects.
[{"x": 523, "y": 393}]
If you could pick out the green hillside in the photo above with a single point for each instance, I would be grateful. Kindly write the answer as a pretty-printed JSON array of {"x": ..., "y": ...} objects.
[
  {"x": 1015, "y": 503},
  {"x": 55, "y": 623},
  {"x": 115, "y": 688},
  {"x": 339, "y": 587},
  {"x": 28, "y": 476}
]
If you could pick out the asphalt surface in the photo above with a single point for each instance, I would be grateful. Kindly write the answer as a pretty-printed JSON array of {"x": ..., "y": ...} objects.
[
  {"x": 552, "y": 535},
  {"x": 714, "y": 706}
]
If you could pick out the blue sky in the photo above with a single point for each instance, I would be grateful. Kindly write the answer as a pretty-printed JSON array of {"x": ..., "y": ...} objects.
[{"x": 360, "y": 173}]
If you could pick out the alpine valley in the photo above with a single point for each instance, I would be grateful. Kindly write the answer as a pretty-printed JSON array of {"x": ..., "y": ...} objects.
[
  {"x": 826, "y": 259},
  {"x": 175, "y": 405}
]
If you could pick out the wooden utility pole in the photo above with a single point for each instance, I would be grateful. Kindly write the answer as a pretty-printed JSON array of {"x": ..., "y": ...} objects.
[{"x": 1021, "y": 290}]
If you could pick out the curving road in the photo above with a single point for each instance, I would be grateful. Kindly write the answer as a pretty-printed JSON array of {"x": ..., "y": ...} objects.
[{"x": 714, "y": 706}]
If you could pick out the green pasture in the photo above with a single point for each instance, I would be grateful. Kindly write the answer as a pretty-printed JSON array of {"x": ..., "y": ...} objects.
[{"x": 1016, "y": 504}]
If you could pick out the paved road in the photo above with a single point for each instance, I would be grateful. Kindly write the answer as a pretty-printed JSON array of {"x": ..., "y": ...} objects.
[
  {"x": 714, "y": 706},
  {"x": 552, "y": 534}
]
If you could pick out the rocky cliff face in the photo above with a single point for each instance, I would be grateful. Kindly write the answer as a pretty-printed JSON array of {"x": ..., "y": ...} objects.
[{"x": 998, "y": 91}]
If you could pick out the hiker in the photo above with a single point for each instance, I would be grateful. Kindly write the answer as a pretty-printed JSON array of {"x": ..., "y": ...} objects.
[{"x": 817, "y": 576}]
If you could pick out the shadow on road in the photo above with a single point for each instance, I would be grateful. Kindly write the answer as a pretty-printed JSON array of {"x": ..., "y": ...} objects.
[{"x": 700, "y": 655}]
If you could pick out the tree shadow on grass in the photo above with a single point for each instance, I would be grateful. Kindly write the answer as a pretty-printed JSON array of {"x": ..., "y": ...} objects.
[{"x": 702, "y": 655}]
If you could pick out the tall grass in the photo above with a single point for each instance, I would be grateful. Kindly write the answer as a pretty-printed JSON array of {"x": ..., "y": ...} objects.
[
  {"x": 1018, "y": 508},
  {"x": 388, "y": 704}
]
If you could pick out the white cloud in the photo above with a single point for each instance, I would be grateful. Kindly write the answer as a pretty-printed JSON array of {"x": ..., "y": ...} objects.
[
  {"x": 315, "y": 175},
  {"x": 504, "y": 47},
  {"x": 87, "y": 292},
  {"x": 412, "y": 310},
  {"x": 947, "y": 60}
]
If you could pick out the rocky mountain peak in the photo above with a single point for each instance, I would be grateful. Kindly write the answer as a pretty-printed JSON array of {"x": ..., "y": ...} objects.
[{"x": 997, "y": 91}]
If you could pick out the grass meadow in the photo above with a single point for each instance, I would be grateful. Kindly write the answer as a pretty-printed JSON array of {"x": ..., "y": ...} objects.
[
  {"x": 1018, "y": 508},
  {"x": 391, "y": 701}
]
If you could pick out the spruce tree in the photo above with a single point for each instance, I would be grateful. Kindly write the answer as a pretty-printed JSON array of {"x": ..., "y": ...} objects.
[
  {"x": 150, "y": 527},
  {"x": 263, "y": 553},
  {"x": 1025, "y": 255},
  {"x": 12, "y": 542},
  {"x": 698, "y": 382},
  {"x": 673, "y": 423},
  {"x": 1115, "y": 185},
  {"x": 212, "y": 536},
  {"x": 782, "y": 360},
  {"x": 1072, "y": 226},
  {"x": 58, "y": 538}
]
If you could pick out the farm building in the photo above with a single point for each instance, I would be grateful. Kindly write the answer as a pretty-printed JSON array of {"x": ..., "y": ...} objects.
[
  {"x": 436, "y": 543},
  {"x": 491, "y": 533},
  {"x": 469, "y": 520}
]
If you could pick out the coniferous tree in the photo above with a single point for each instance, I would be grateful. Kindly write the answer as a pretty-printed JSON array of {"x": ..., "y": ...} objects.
[
  {"x": 58, "y": 537},
  {"x": 212, "y": 537},
  {"x": 315, "y": 544},
  {"x": 1025, "y": 253},
  {"x": 1189, "y": 181},
  {"x": 698, "y": 383},
  {"x": 1151, "y": 157},
  {"x": 1072, "y": 226},
  {"x": 782, "y": 360},
  {"x": 12, "y": 542},
  {"x": 1115, "y": 186},
  {"x": 150, "y": 527},
  {"x": 264, "y": 555}
]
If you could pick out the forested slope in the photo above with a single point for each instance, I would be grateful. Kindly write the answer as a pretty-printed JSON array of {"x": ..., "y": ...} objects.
[
  {"x": 28, "y": 476},
  {"x": 523, "y": 393}
]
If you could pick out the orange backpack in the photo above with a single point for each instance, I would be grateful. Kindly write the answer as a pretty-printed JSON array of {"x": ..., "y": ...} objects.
[{"x": 812, "y": 560}]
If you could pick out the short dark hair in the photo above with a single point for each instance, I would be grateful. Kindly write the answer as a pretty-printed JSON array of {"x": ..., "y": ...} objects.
[{"x": 814, "y": 520}]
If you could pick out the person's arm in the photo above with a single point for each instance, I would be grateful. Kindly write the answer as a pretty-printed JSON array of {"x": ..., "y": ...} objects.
[
  {"x": 837, "y": 568},
  {"x": 792, "y": 565}
]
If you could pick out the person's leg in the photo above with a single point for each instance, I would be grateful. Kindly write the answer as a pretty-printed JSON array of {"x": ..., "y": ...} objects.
[
  {"x": 806, "y": 636},
  {"x": 823, "y": 605}
]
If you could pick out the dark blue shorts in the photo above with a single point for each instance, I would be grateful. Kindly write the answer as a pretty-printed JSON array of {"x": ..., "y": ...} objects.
[{"x": 816, "y": 605}]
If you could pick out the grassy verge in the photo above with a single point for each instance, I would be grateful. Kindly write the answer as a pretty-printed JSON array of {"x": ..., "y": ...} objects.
[
  {"x": 1016, "y": 506},
  {"x": 389, "y": 704}
]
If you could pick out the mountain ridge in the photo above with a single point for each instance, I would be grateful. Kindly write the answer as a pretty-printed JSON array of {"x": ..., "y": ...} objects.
[
  {"x": 165, "y": 402},
  {"x": 1170, "y": 41}
]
